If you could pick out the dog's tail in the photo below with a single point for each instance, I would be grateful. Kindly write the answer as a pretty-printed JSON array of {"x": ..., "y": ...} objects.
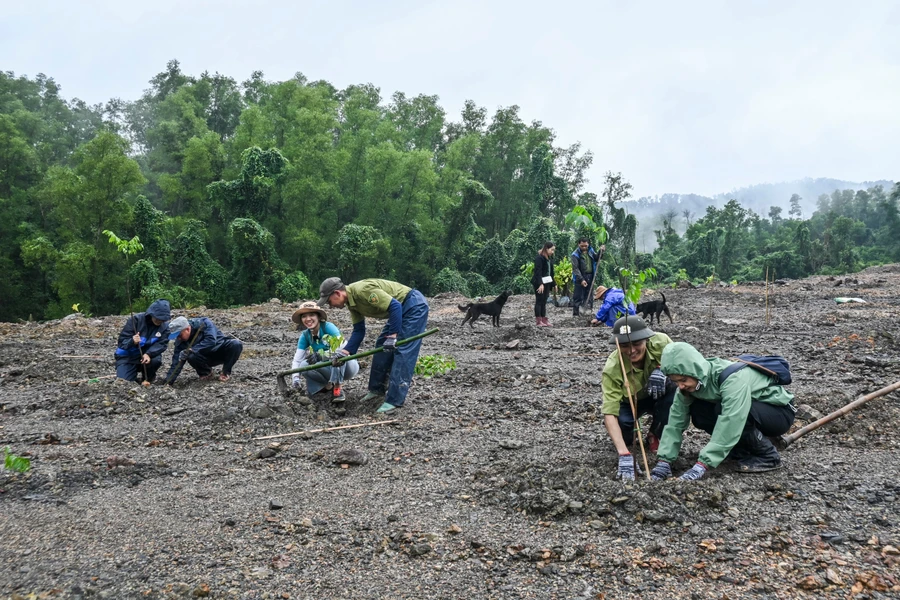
[
  {"x": 464, "y": 307},
  {"x": 664, "y": 297}
]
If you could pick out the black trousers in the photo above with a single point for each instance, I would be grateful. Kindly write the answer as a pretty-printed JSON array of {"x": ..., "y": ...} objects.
[
  {"x": 581, "y": 293},
  {"x": 226, "y": 355},
  {"x": 771, "y": 420},
  {"x": 540, "y": 302},
  {"x": 658, "y": 408}
]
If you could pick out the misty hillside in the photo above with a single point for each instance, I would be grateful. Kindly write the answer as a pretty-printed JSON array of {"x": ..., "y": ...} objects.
[{"x": 758, "y": 198}]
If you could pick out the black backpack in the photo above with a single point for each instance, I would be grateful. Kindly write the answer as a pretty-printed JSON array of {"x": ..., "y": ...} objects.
[{"x": 775, "y": 367}]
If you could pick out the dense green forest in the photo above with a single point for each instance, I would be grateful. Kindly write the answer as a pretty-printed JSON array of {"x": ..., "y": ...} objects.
[{"x": 244, "y": 191}]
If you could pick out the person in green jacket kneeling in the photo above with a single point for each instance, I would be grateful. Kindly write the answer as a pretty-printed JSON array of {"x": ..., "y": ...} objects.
[{"x": 739, "y": 414}]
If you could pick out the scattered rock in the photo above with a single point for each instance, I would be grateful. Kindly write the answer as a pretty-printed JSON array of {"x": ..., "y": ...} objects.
[
  {"x": 266, "y": 453},
  {"x": 275, "y": 505},
  {"x": 420, "y": 549},
  {"x": 512, "y": 345},
  {"x": 261, "y": 412},
  {"x": 351, "y": 456},
  {"x": 511, "y": 444},
  {"x": 805, "y": 412}
]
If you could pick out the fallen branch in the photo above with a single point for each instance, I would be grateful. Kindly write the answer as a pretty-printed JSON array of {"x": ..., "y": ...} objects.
[
  {"x": 84, "y": 356},
  {"x": 786, "y": 440},
  {"x": 89, "y": 379},
  {"x": 269, "y": 437}
]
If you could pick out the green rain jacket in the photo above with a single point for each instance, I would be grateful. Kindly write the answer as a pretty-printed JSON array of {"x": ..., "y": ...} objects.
[{"x": 734, "y": 397}]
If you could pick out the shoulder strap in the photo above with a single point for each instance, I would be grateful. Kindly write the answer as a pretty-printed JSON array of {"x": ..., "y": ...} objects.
[{"x": 740, "y": 364}]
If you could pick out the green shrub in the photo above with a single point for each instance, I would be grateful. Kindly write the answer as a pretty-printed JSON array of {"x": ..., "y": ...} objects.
[
  {"x": 294, "y": 286},
  {"x": 478, "y": 284},
  {"x": 450, "y": 280}
]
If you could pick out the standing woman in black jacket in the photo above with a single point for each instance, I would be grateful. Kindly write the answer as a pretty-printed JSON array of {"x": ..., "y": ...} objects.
[{"x": 542, "y": 280}]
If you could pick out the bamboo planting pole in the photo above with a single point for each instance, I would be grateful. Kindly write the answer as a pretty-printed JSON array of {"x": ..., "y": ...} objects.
[
  {"x": 787, "y": 440},
  {"x": 280, "y": 435},
  {"x": 637, "y": 424}
]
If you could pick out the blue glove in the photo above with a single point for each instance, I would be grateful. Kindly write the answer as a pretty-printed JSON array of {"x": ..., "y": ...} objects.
[
  {"x": 695, "y": 472},
  {"x": 626, "y": 468},
  {"x": 390, "y": 344},
  {"x": 656, "y": 386},
  {"x": 661, "y": 471}
]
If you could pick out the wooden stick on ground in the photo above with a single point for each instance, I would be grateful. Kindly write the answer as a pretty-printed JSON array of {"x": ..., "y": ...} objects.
[
  {"x": 637, "y": 421},
  {"x": 269, "y": 437},
  {"x": 89, "y": 379},
  {"x": 787, "y": 440},
  {"x": 83, "y": 356}
]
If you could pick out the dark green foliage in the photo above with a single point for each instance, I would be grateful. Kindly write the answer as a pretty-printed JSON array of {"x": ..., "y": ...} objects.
[
  {"x": 286, "y": 183},
  {"x": 294, "y": 286},
  {"x": 450, "y": 280},
  {"x": 255, "y": 266},
  {"x": 478, "y": 284}
]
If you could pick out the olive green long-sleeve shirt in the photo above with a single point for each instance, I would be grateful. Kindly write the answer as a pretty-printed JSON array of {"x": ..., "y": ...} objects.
[{"x": 613, "y": 382}]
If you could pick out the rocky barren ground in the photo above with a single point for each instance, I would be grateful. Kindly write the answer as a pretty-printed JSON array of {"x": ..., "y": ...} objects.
[{"x": 497, "y": 480}]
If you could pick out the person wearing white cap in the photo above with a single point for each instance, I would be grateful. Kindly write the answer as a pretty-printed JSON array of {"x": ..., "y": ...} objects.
[{"x": 199, "y": 343}]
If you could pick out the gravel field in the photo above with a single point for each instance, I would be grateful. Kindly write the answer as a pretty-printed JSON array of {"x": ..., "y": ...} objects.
[{"x": 495, "y": 481}]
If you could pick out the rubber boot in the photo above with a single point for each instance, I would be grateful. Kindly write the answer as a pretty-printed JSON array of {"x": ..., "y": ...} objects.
[
  {"x": 546, "y": 322},
  {"x": 574, "y": 310},
  {"x": 539, "y": 321},
  {"x": 762, "y": 455}
]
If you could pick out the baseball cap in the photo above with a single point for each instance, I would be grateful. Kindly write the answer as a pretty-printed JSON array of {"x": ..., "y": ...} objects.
[
  {"x": 176, "y": 326},
  {"x": 328, "y": 287}
]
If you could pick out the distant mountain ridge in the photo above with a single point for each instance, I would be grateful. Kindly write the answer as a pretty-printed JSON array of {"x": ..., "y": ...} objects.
[{"x": 759, "y": 197}]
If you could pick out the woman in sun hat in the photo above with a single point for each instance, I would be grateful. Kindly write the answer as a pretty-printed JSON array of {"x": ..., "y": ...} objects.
[{"x": 315, "y": 345}]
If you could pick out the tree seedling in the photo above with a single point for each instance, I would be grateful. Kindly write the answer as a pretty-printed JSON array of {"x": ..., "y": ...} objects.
[
  {"x": 129, "y": 248},
  {"x": 15, "y": 463}
]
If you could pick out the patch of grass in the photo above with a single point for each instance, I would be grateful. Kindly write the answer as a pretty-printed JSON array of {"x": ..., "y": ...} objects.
[
  {"x": 12, "y": 462},
  {"x": 434, "y": 364}
]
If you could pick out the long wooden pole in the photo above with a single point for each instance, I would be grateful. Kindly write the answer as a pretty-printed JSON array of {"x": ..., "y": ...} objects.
[
  {"x": 767, "y": 296},
  {"x": 280, "y": 435},
  {"x": 637, "y": 424},
  {"x": 786, "y": 440}
]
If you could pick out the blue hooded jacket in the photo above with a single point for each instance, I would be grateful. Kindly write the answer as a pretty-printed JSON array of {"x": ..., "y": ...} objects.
[
  {"x": 154, "y": 339},
  {"x": 613, "y": 307},
  {"x": 207, "y": 339}
]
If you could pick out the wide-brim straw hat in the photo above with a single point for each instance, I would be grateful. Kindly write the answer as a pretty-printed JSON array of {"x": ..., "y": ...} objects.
[
  {"x": 600, "y": 291},
  {"x": 306, "y": 308}
]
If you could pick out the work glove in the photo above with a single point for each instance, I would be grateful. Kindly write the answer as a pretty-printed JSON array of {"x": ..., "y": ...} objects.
[
  {"x": 187, "y": 353},
  {"x": 390, "y": 344},
  {"x": 336, "y": 359},
  {"x": 656, "y": 386},
  {"x": 694, "y": 473},
  {"x": 626, "y": 468},
  {"x": 661, "y": 471},
  {"x": 296, "y": 384}
]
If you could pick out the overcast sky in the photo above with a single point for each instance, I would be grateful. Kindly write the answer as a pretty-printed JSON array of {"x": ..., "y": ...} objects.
[{"x": 686, "y": 97}]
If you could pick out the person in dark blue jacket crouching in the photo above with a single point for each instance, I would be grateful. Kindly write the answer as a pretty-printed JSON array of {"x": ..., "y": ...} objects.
[
  {"x": 143, "y": 338},
  {"x": 199, "y": 343}
]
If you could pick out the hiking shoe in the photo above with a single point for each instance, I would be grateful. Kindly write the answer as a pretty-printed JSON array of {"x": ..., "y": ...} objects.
[
  {"x": 387, "y": 408},
  {"x": 652, "y": 443},
  {"x": 372, "y": 396},
  {"x": 206, "y": 377},
  {"x": 223, "y": 377},
  {"x": 338, "y": 395}
]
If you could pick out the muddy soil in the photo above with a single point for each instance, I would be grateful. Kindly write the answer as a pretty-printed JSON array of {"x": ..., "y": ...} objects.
[{"x": 496, "y": 481}]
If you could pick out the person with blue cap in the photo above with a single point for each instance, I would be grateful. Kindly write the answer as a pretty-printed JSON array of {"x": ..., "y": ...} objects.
[
  {"x": 141, "y": 341},
  {"x": 199, "y": 343}
]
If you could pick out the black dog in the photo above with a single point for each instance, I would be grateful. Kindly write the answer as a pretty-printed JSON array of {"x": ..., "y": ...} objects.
[
  {"x": 493, "y": 308},
  {"x": 654, "y": 307}
]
